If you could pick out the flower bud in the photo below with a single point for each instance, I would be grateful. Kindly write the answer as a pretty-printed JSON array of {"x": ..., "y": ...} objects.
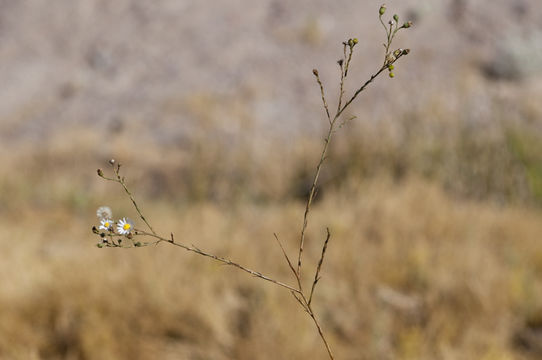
[
  {"x": 396, "y": 17},
  {"x": 391, "y": 67},
  {"x": 112, "y": 162},
  {"x": 350, "y": 42},
  {"x": 392, "y": 75},
  {"x": 100, "y": 172},
  {"x": 407, "y": 24},
  {"x": 100, "y": 245},
  {"x": 355, "y": 40},
  {"x": 382, "y": 9}
]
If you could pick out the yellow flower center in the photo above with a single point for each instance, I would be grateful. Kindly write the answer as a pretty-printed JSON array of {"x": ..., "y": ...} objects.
[
  {"x": 106, "y": 224},
  {"x": 126, "y": 226}
]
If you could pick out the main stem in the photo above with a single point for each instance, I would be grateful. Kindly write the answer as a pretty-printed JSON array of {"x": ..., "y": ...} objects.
[{"x": 312, "y": 192}]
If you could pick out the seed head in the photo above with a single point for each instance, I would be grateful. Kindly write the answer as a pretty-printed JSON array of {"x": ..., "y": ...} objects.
[
  {"x": 315, "y": 72},
  {"x": 104, "y": 212}
]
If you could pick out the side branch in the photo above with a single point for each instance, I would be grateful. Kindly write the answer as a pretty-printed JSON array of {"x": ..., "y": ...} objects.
[
  {"x": 319, "y": 267},
  {"x": 225, "y": 261}
]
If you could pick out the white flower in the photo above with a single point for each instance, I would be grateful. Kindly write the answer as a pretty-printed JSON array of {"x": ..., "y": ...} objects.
[
  {"x": 125, "y": 226},
  {"x": 106, "y": 224},
  {"x": 104, "y": 212}
]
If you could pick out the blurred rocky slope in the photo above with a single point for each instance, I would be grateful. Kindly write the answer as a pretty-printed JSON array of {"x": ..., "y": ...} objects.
[{"x": 159, "y": 69}]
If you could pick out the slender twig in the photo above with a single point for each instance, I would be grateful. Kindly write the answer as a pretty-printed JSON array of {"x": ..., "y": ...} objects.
[
  {"x": 121, "y": 181},
  {"x": 312, "y": 193},
  {"x": 225, "y": 261},
  {"x": 285, "y": 255},
  {"x": 319, "y": 267},
  {"x": 315, "y": 72},
  {"x": 348, "y": 62},
  {"x": 321, "y": 333}
]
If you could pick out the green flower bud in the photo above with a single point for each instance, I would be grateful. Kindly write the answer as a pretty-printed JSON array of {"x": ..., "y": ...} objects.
[
  {"x": 392, "y": 75},
  {"x": 100, "y": 172},
  {"x": 407, "y": 24},
  {"x": 355, "y": 40},
  {"x": 350, "y": 42},
  {"x": 100, "y": 245},
  {"x": 382, "y": 9},
  {"x": 391, "y": 67},
  {"x": 396, "y": 17}
]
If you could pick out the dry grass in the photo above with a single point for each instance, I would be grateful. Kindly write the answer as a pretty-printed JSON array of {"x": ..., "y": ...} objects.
[{"x": 412, "y": 274}]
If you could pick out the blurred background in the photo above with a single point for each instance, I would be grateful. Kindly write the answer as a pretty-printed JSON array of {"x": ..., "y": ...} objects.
[{"x": 433, "y": 194}]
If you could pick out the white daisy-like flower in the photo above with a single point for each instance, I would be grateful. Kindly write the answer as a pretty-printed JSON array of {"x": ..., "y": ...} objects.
[
  {"x": 104, "y": 212},
  {"x": 125, "y": 226},
  {"x": 106, "y": 224}
]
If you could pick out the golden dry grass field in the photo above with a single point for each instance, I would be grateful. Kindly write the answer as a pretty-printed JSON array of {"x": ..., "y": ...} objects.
[{"x": 433, "y": 194}]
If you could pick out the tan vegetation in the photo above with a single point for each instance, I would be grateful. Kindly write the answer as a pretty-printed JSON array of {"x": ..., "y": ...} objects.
[{"x": 413, "y": 274}]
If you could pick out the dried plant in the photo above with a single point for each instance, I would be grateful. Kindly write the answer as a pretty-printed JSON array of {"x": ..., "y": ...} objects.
[{"x": 123, "y": 233}]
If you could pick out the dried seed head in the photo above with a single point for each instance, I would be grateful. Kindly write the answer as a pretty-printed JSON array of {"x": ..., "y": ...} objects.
[
  {"x": 104, "y": 212},
  {"x": 315, "y": 72},
  {"x": 100, "y": 172},
  {"x": 340, "y": 62}
]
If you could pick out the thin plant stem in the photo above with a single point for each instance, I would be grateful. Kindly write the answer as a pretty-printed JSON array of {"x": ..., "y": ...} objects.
[
  {"x": 319, "y": 267},
  {"x": 223, "y": 260}
]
